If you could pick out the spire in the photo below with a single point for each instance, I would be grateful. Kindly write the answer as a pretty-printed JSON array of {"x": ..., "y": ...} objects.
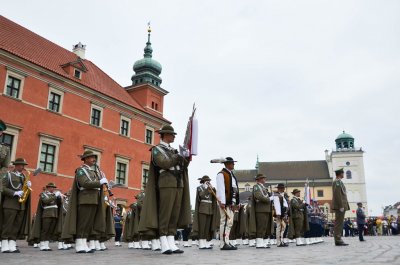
[
  {"x": 148, "y": 50},
  {"x": 257, "y": 163}
]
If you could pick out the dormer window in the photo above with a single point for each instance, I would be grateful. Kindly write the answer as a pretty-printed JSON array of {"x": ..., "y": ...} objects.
[{"x": 77, "y": 73}]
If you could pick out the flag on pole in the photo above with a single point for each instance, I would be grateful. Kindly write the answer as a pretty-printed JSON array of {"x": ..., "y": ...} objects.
[
  {"x": 190, "y": 144},
  {"x": 307, "y": 193}
]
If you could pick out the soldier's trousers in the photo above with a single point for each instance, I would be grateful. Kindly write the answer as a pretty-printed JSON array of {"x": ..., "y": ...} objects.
[
  {"x": 12, "y": 222},
  {"x": 85, "y": 220},
  {"x": 225, "y": 225},
  {"x": 204, "y": 225},
  {"x": 170, "y": 208},
  {"x": 338, "y": 228},
  {"x": 298, "y": 226},
  {"x": 48, "y": 226},
  {"x": 261, "y": 224},
  {"x": 280, "y": 229}
]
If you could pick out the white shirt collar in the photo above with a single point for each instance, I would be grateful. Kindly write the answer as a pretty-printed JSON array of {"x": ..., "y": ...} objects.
[{"x": 165, "y": 144}]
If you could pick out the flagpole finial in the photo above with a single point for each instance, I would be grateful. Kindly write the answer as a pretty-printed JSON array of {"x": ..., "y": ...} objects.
[{"x": 148, "y": 27}]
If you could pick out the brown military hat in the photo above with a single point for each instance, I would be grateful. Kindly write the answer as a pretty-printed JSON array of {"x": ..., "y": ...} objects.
[
  {"x": 295, "y": 191},
  {"x": 260, "y": 176},
  {"x": 280, "y": 186},
  {"x": 3, "y": 126},
  {"x": 20, "y": 161},
  {"x": 204, "y": 179},
  {"x": 51, "y": 185},
  {"x": 167, "y": 129},
  {"x": 87, "y": 153}
]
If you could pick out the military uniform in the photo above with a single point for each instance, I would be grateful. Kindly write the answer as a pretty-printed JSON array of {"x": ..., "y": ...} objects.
[
  {"x": 87, "y": 214},
  {"x": 47, "y": 216},
  {"x": 166, "y": 206},
  {"x": 263, "y": 214},
  {"x": 298, "y": 223},
  {"x": 14, "y": 216},
  {"x": 340, "y": 205},
  {"x": 204, "y": 214}
]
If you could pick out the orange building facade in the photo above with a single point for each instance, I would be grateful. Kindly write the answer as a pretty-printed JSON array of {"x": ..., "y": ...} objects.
[{"x": 57, "y": 104}]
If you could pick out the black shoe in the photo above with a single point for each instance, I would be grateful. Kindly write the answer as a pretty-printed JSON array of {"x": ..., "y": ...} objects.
[
  {"x": 167, "y": 252},
  {"x": 363, "y": 240},
  {"x": 90, "y": 251},
  {"x": 178, "y": 251},
  {"x": 232, "y": 246},
  {"x": 281, "y": 245},
  {"x": 227, "y": 247},
  {"x": 7, "y": 251},
  {"x": 81, "y": 251},
  {"x": 341, "y": 244},
  {"x": 15, "y": 251}
]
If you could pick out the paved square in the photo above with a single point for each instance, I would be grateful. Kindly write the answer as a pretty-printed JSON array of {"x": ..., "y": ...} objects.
[{"x": 377, "y": 250}]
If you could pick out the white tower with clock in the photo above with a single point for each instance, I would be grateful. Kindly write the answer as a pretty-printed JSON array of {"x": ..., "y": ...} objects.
[{"x": 351, "y": 159}]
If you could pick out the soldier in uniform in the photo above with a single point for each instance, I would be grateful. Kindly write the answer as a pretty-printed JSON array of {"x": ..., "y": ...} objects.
[
  {"x": 86, "y": 212},
  {"x": 298, "y": 222},
  {"x": 340, "y": 205},
  {"x": 5, "y": 157},
  {"x": 204, "y": 224},
  {"x": 14, "y": 216},
  {"x": 47, "y": 216},
  {"x": 128, "y": 233},
  {"x": 281, "y": 211},
  {"x": 228, "y": 195},
  {"x": 64, "y": 209},
  {"x": 261, "y": 215},
  {"x": 166, "y": 205}
]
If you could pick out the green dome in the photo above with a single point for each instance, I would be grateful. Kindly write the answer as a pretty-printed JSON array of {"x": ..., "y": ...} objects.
[
  {"x": 147, "y": 64},
  {"x": 344, "y": 135}
]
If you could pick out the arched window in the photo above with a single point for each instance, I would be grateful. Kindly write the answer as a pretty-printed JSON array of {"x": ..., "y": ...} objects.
[{"x": 348, "y": 174}]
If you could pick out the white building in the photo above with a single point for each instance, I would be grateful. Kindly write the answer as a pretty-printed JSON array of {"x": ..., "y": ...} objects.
[{"x": 351, "y": 159}]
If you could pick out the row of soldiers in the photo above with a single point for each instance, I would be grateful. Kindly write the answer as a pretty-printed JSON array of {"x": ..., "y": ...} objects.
[{"x": 155, "y": 217}]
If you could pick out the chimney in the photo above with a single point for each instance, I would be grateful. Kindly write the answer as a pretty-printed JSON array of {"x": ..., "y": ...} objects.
[
  {"x": 79, "y": 49},
  {"x": 327, "y": 157}
]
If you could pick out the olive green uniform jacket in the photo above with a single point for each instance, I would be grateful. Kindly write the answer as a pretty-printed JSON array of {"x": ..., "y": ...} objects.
[
  {"x": 209, "y": 208},
  {"x": 5, "y": 159},
  {"x": 297, "y": 209},
  {"x": 69, "y": 228},
  {"x": 148, "y": 225},
  {"x": 339, "y": 199},
  {"x": 34, "y": 236},
  {"x": 10, "y": 201},
  {"x": 260, "y": 202}
]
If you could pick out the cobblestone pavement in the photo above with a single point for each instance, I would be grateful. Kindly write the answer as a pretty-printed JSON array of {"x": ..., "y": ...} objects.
[{"x": 376, "y": 250}]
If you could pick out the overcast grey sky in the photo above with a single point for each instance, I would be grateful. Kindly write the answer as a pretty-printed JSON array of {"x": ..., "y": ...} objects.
[{"x": 276, "y": 78}]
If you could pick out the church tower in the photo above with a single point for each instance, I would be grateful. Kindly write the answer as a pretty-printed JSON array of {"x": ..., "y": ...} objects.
[
  {"x": 146, "y": 81},
  {"x": 351, "y": 159}
]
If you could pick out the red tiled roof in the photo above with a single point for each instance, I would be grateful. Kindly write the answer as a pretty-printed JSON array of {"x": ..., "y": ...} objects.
[{"x": 38, "y": 50}]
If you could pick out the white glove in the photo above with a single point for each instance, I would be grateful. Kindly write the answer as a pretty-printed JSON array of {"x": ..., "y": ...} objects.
[
  {"x": 103, "y": 181},
  {"x": 19, "y": 193},
  {"x": 29, "y": 183},
  {"x": 341, "y": 210},
  {"x": 57, "y": 193}
]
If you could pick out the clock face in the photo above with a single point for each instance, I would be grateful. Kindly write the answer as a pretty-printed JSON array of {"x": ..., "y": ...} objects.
[{"x": 347, "y": 163}]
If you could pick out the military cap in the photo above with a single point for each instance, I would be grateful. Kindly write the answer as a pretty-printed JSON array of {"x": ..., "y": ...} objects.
[
  {"x": 359, "y": 203},
  {"x": 20, "y": 161},
  {"x": 3, "y": 126},
  {"x": 204, "y": 179},
  {"x": 51, "y": 185},
  {"x": 280, "y": 186},
  {"x": 167, "y": 129},
  {"x": 88, "y": 153},
  {"x": 260, "y": 176},
  {"x": 295, "y": 191},
  {"x": 339, "y": 171},
  {"x": 229, "y": 160}
]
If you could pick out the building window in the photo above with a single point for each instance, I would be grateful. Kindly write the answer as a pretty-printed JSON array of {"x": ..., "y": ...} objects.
[
  {"x": 10, "y": 139},
  {"x": 77, "y": 73},
  {"x": 145, "y": 176},
  {"x": 348, "y": 174},
  {"x": 247, "y": 187},
  {"x": 149, "y": 136},
  {"x": 320, "y": 193},
  {"x": 125, "y": 125},
  {"x": 7, "y": 139},
  {"x": 13, "y": 87},
  {"x": 54, "y": 102},
  {"x": 95, "y": 117},
  {"x": 47, "y": 157},
  {"x": 121, "y": 173}
]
